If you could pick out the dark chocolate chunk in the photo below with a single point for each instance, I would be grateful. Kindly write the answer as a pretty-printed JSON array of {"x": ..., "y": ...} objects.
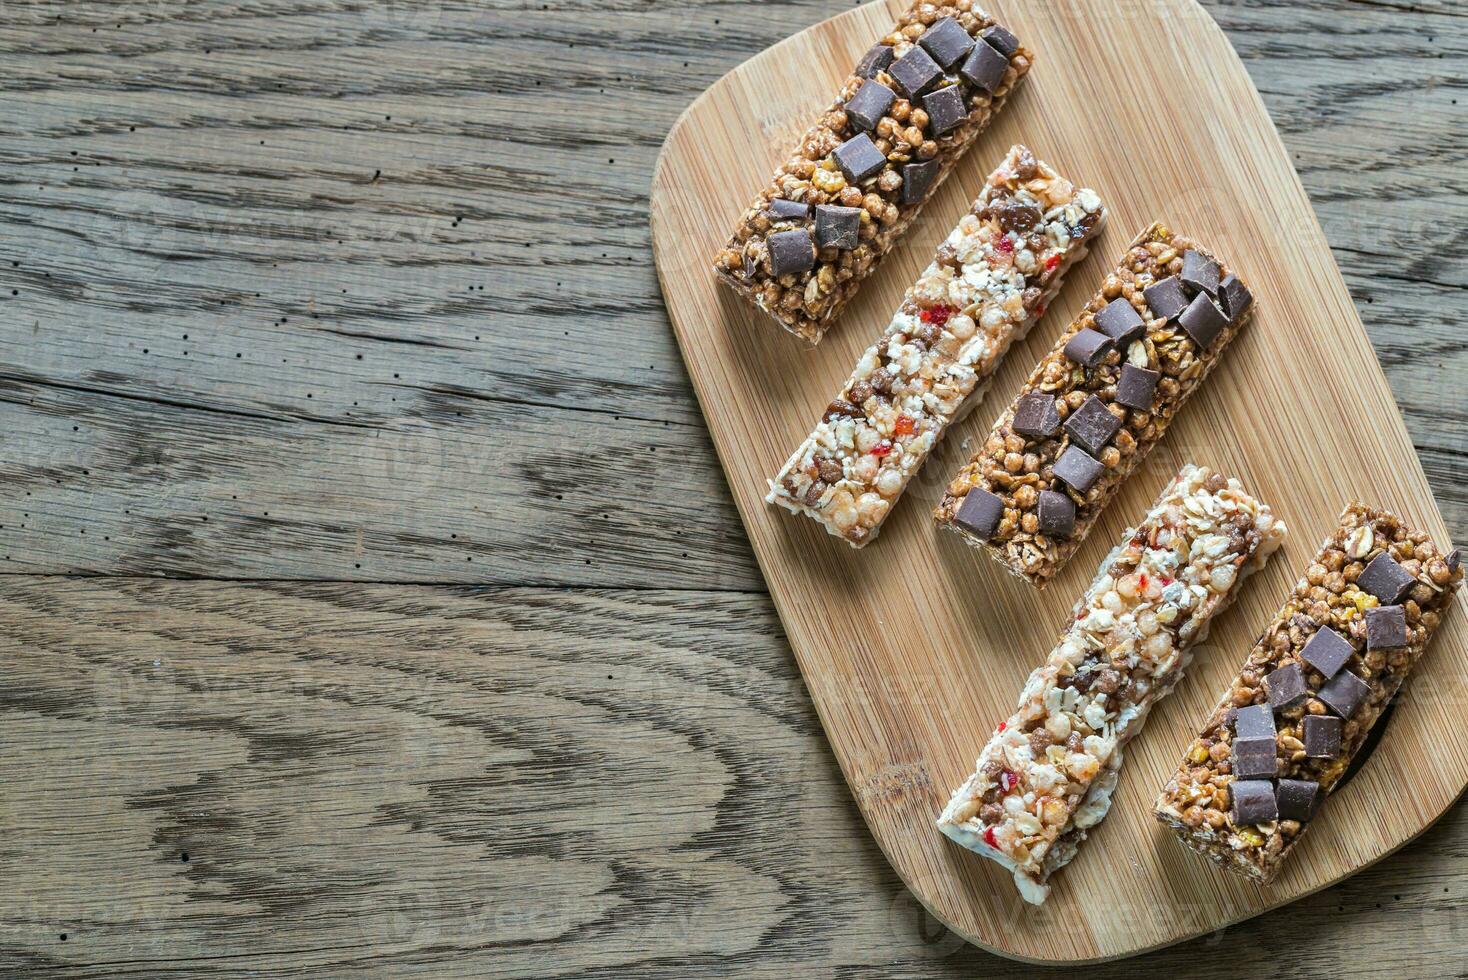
[
  {"x": 984, "y": 68},
  {"x": 1119, "y": 321},
  {"x": 1036, "y": 416},
  {"x": 1234, "y": 297},
  {"x": 1078, "y": 469},
  {"x": 1001, "y": 40},
  {"x": 916, "y": 179},
  {"x": 1322, "y": 736},
  {"x": 1254, "y": 721},
  {"x": 877, "y": 58},
  {"x": 791, "y": 251},
  {"x": 980, "y": 513},
  {"x": 1454, "y": 559},
  {"x": 1136, "y": 387},
  {"x": 1286, "y": 686},
  {"x": 869, "y": 105},
  {"x": 1386, "y": 628},
  {"x": 1203, "y": 321},
  {"x": 1199, "y": 273},
  {"x": 1057, "y": 514},
  {"x": 1166, "y": 299},
  {"x": 1327, "y": 651},
  {"x": 837, "y": 226},
  {"x": 946, "y": 41},
  {"x": 1254, "y": 758},
  {"x": 782, "y": 210},
  {"x": 1092, "y": 425},
  {"x": 1297, "y": 799},
  {"x": 1344, "y": 693},
  {"x": 1253, "y": 802},
  {"x": 915, "y": 71},
  {"x": 1088, "y": 347},
  {"x": 858, "y": 158},
  {"x": 945, "y": 108},
  {"x": 1385, "y": 579}
]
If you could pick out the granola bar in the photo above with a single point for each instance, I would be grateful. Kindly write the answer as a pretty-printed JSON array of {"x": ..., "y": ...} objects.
[
  {"x": 1047, "y": 775},
  {"x": 1097, "y": 404},
  {"x": 901, "y": 120},
  {"x": 988, "y": 283},
  {"x": 1300, "y": 709}
]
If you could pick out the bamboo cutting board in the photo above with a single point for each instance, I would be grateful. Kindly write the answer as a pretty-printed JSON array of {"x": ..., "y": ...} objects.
[{"x": 916, "y": 646}]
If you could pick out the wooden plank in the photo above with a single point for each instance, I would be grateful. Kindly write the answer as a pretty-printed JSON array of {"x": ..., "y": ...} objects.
[{"x": 912, "y": 649}]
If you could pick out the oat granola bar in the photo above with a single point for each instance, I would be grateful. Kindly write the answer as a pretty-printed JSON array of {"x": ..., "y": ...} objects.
[
  {"x": 901, "y": 120},
  {"x": 1097, "y": 404},
  {"x": 988, "y": 283},
  {"x": 1321, "y": 674},
  {"x": 1047, "y": 775}
]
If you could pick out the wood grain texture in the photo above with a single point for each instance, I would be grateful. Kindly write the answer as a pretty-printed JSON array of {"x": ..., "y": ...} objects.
[
  {"x": 506, "y": 114},
  {"x": 914, "y": 646}
]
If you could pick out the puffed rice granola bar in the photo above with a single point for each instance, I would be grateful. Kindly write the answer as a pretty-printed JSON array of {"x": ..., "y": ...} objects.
[
  {"x": 1096, "y": 404},
  {"x": 988, "y": 283},
  {"x": 1047, "y": 775},
  {"x": 901, "y": 120},
  {"x": 1321, "y": 674}
]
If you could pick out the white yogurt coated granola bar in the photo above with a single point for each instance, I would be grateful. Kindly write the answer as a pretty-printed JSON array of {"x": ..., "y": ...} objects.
[
  {"x": 989, "y": 282},
  {"x": 1047, "y": 774}
]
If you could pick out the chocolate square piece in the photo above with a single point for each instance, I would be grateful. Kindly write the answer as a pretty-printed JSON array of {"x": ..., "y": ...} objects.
[
  {"x": 1322, "y": 736},
  {"x": 791, "y": 251},
  {"x": 869, "y": 105},
  {"x": 916, "y": 179},
  {"x": 1203, "y": 321},
  {"x": 1166, "y": 299},
  {"x": 1078, "y": 469},
  {"x": 1343, "y": 693},
  {"x": 1136, "y": 387},
  {"x": 1297, "y": 799},
  {"x": 980, "y": 513},
  {"x": 1057, "y": 514},
  {"x": 837, "y": 226},
  {"x": 1254, "y": 721},
  {"x": 945, "y": 108},
  {"x": 1327, "y": 651},
  {"x": 1286, "y": 686},
  {"x": 877, "y": 58},
  {"x": 984, "y": 68},
  {"x": 1234, "y": 297},
  {"x": 1199, "y": 273},
  {"x": 782, "y": 210},
  {"x": 1253, "y": 802},
  {"x": 1385, "y": 579},
  {"x": 946, "y": 41},
  {"x": 1119, "y": 321},
  {"x": 858, "y": 158},
  {"x": 915, "y": 71},
  {"x": 1454, "y": 559},
  {"x": 1036, "y": 416},
  {"x": 1386, "y": 628},
  {"x": 1001, "y": 40},
  {"x": 1088, "y": 347},
  {"x": 1092, "y": 425},
  {"x": 1254, "y": 758}
]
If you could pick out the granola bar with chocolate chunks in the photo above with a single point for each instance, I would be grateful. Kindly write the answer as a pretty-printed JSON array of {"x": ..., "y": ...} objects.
[
  {"x": 903, "y": 117},
  {"x": 1320, "y": 676},
  {"x": 1047, "y": 774},
  {"x": 1114, "y": 380},
  {"x": 988, "y": 283}
]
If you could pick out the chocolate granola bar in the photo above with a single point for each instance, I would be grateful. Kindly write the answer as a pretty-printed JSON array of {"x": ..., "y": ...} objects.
[
  {"x": 901, "y": 120},
  {"x": 1097, "y": 404},
  {"x": 1047, "y": 775},
  {"x": 1316, "y": 682},
  {"x": 989, "y": 281}
]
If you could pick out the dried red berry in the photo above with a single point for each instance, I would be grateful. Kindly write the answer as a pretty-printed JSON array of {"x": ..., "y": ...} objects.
[
  {"x": 989, "y": 838},
  {"x": 1004, "y": 246},
  {"x": 882, "y": 448},
  {"x": 1007, "y": 781},
  {"x": 904, "y": 426},
  {"x": 1052, "y": 263},
  {"x": 1003, "y": 725},
  {"x": 937, "y": 315}
]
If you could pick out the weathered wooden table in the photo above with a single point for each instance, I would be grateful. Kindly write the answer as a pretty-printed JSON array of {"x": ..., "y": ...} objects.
[{"x": 374, "y": 604}]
